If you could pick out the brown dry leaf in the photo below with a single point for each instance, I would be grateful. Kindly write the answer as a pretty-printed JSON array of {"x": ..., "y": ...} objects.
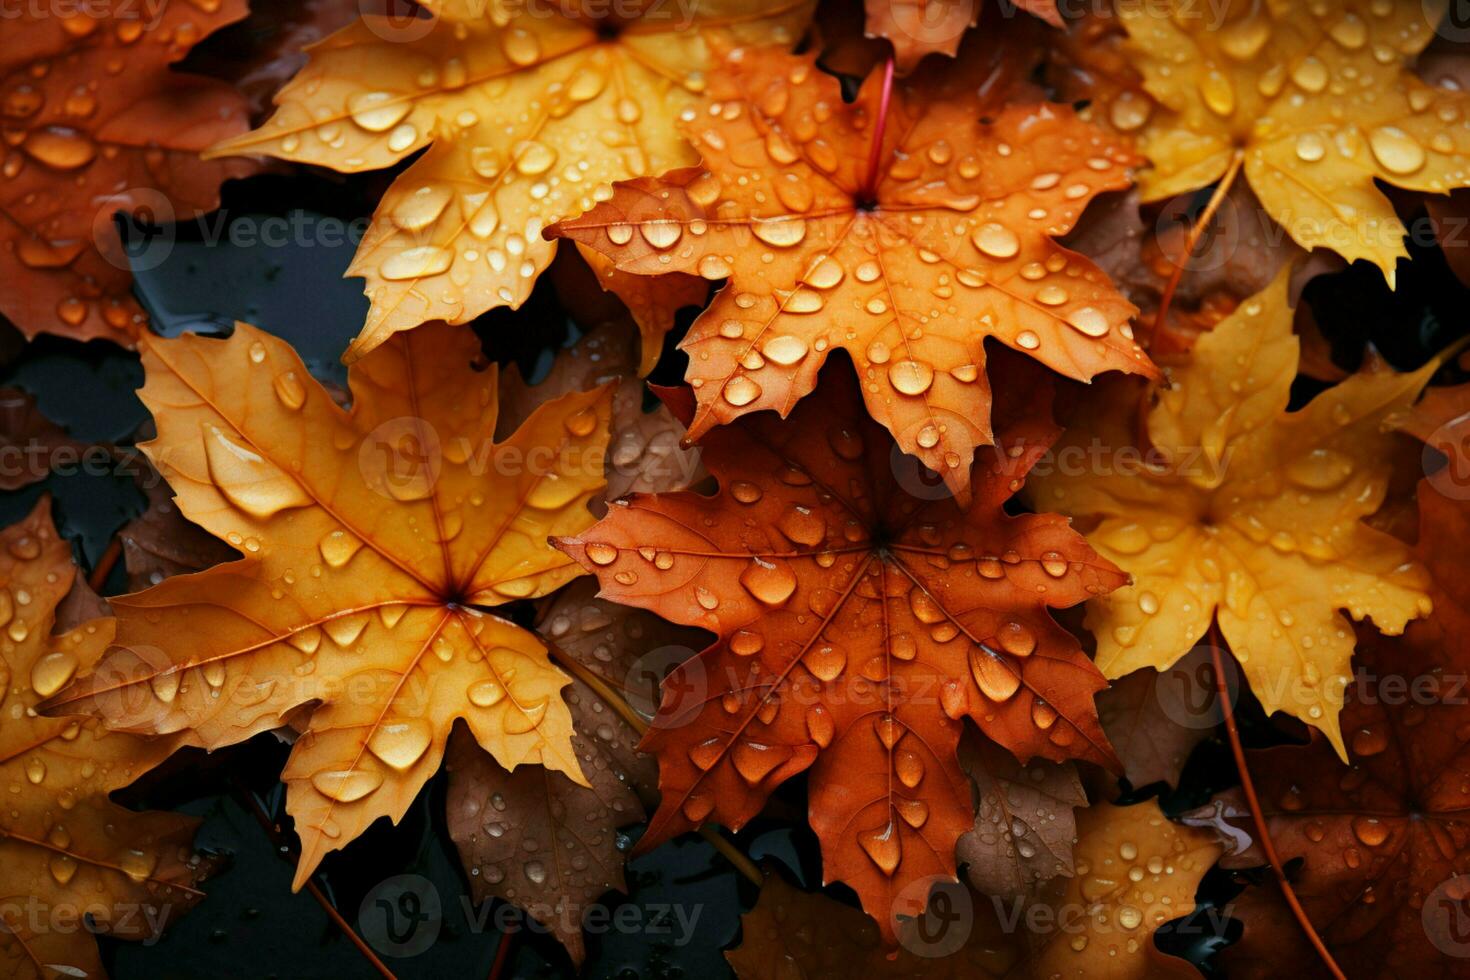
[
  {"x": 368, "y": 538},
  {"x": 161, "y": 542},
  {"x": 644, "y": 454},
  {"x": 96, "y": 123},
  {"x": 64, "y": 846},
  {"x": 627, "y": 649},
  {"x": 29, "y": 441},
  {"x": 1318, "y": 99},
  {"x": 862, "y": 617},
  {"x": 909, "y": 269},
  {"x": 528, "y": 115},
  {"x": 535, "y": 838},
  {"x": 1135, "y": 871},
  {"x": 1152, "y": 743},
  {"x": 1024, "y": 825}
]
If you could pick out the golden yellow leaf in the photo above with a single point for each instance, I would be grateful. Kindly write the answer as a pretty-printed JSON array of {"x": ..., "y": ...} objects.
[
  {"x": 368, "y": 538},
  {"x": 65, "y": 849},
  {"x": 1246, "y": 513},
  {"x": 529, "y": 114},
  {"x": 1319, "y": 98}
]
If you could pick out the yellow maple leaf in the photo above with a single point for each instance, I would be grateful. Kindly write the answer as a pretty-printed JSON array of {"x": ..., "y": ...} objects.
[
  {"x": 369, "y": 537},
  {"x": 529, "y": 114},
  {"x": 65, "y": 849},
  {"x": 1317, "y": 100},
  {"x": 1244, "y": 512}
]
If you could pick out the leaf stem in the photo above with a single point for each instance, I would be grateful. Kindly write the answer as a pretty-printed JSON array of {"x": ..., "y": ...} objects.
[
  {"x": 502, "y": 954},
  {"x": 274, "y": 833},
  {"x": 1190, "y": 241},
  {"x": 875, "y": 152},
  {"x": 1222, "y": 689},
  {"x": 104, "y": 565},
  {"x": 604, "y": 690}
]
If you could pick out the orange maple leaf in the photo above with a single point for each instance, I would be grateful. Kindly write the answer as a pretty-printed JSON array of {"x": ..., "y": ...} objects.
[
  {"x": 369, "y": 538},
  {"x": 63, "y": 844},
  {"x": 96, "y": 123},
  {"x": 858, "y": 622},
  {"x": 908, "y": 261}
]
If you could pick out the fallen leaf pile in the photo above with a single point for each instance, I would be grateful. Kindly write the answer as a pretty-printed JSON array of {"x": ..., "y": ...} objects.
[{"x": 955, "y": 440}]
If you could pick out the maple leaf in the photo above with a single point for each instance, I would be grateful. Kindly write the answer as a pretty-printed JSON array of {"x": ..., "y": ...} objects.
[
  {"x": 1384, "y": 841},
  {"x": 909, "y": 269},
  {"x": 1318, "y": 100},
  {"x": 1244, "y": 513},
  {"x": 96, "y": 123},
  {"x": 1142, "y": 872},
  {"x": 534, "y": 837},
  {"x": 63, "y": 844},
  {"x": 369, "y": 538},
  {"x": 917, "y": 28},
  {"x": 1024, "y": 825},
  {"x": 528, "y": 116},
  {"x": 857, "y": 625}
]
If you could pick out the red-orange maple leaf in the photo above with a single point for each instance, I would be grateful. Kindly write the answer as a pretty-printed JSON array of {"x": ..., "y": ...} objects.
[
  {"x": 861, "y": 616},
  {"x": 909, "y": 262},
  {"x": 95, "y": 123}
]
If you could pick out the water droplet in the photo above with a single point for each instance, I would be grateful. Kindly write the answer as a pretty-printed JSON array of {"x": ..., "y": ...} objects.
[
  {"x": 996, "y": 241},
  {"x": 911, "y": 377},
  {"x": 740, "y": 391},
  {"x": 771, "y": 582},
  {"x": 401, "y": 743},
  {"x": 601, "y": 553},
  {"x": 1396, "y": 150},
  {"x": 346, "y": 785}
]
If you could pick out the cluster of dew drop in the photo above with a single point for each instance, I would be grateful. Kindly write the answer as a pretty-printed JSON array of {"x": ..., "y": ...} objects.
[
  {"x": 851, "y": 274},
  {"x": 1353, "y": 73},
  {"x": 772, "y": 582},
  {"x": 63, "y": 146},
  {"x": 22, "y": 615},
  {"x": 1126, "y": 892},
  {"x": 1002, "y": 823},
  {"x": 564, "y": 166}
]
